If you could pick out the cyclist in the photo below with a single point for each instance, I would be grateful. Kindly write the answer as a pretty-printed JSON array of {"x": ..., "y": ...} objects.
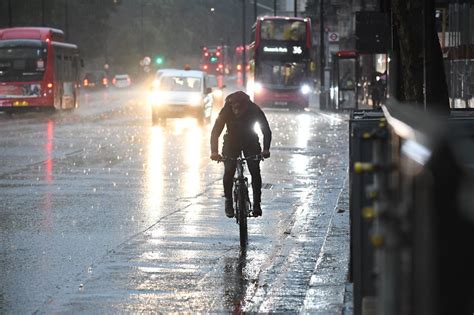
[{"x": 240, "y": 115}]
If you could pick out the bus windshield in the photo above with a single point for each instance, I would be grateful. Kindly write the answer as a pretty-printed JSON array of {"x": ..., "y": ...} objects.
[
  {"x": 22, "y": 63},
  {"x": 284, "y": 30},
  {"x": 274, "y": 73}
]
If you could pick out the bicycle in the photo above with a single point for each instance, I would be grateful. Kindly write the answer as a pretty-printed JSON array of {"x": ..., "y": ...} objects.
[{"x": 243, "y": 206}]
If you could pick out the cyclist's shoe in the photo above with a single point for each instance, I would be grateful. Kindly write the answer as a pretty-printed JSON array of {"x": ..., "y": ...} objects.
[
  {"x": 257, "y": 210},
  {"x": 229, "y": 208}
]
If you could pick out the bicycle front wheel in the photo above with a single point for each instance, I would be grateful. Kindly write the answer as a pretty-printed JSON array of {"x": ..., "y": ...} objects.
[{"x": 243, "y": 215}]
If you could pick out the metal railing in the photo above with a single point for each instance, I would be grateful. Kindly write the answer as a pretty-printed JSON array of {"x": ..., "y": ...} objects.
[{"x": 415, "y": 212}]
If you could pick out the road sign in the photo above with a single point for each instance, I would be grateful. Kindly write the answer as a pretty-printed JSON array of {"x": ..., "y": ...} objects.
[{"x": 333, "y": 37}]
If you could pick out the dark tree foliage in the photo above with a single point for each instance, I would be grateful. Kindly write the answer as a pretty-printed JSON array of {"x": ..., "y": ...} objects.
[
  {"x": 122, "y": 32},
  {"x": 86, "y": 21}
]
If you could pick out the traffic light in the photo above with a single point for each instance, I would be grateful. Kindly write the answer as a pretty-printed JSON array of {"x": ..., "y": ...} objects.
[
  {"x": 159, "y": 60},
  {"x": 213, "y": 58}
]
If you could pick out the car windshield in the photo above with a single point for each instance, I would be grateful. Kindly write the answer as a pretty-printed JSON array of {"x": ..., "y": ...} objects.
[{"x": 178, "y": 83}]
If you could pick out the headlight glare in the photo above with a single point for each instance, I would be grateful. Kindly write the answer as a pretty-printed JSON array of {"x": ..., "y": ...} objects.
[
  {"x": 195, "y": 100},
  {"x": 305, "y": 89}
]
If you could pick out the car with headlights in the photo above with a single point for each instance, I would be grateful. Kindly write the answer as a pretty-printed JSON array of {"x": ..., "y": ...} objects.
[{"x": 181, "y": 93}]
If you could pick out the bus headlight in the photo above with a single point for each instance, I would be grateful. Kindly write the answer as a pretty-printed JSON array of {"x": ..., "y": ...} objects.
[
  {"x": 305, "y": 89},
  {"x": 257, "y": 87}
]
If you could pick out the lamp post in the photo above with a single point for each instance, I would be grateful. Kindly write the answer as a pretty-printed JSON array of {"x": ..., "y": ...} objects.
[
  {"x": 255, "y": 14},
  {"x": 66, "y": 19},
  {"x": 42, "y": 13},
  {"x": 244, "y": 57},
  {"x": 322, "y": 99},
  {"x": 142, "y": 47},
  {"x": 10, "y": 22}
]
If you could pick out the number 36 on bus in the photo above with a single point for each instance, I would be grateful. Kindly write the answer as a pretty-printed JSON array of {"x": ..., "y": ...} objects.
[{"x": 37, "y": 69}]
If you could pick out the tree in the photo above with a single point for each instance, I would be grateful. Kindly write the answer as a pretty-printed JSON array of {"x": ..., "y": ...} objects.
[{"x": 408, "y": 39}]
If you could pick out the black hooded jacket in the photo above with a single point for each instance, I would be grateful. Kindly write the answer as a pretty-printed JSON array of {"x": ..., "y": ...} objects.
[{"x": 240, "y": 131}]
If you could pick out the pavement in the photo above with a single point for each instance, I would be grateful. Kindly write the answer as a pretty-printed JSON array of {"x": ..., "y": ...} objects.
[{"x": 329, "y": 291}]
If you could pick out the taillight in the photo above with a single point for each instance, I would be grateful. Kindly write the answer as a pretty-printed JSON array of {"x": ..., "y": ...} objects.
[
  {"x": 114, "y": 81},
  {"x": 49, "y": 85},
  {"x": 86, "y": 83},
  {"x": 104, "y": 81},
  {"x": 239, "y": 67}
]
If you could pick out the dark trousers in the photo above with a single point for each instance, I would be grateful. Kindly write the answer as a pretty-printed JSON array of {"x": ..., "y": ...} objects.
[{"x": 230, "y": 149}]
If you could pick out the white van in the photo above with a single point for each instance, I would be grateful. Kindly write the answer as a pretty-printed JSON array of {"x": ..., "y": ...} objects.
[{"x": 181, "y": 93}]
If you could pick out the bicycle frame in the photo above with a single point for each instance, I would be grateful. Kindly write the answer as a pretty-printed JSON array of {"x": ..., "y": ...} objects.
[{"x": 243, "y": 206}]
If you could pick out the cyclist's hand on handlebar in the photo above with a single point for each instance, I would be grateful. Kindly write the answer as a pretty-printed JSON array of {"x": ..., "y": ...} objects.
[
  {"x": 265, "y": 154},
  {"x": 216, "y": 156}
]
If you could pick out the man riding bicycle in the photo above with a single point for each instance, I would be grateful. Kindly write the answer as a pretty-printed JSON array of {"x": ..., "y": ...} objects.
[{"x": 240, "y": 114}]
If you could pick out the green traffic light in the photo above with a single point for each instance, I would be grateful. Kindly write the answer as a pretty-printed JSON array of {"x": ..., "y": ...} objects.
[
  {"x": 213, "y": 59},
  {"x": 159, "y": 60}
]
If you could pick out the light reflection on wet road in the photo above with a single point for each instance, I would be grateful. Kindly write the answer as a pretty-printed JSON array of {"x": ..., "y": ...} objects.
[{"x": 102, "y": 212}]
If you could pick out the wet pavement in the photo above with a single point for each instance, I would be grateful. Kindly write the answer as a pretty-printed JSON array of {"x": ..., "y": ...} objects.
[{"x": 104, "y": 213}]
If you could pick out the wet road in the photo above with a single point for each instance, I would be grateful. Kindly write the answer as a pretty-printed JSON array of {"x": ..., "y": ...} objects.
[{"x": 102, "y": 212}]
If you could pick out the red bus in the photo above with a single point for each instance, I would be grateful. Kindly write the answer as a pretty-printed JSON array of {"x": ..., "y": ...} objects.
[
  {"x": 37, "y": 69},
  {"x": 280, "y": 62}
]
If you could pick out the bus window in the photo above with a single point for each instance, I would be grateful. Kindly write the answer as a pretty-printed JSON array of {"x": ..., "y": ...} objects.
[{"x": 22, "y": 64}]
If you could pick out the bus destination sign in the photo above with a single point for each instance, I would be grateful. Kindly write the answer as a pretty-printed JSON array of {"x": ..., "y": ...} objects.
[{"x": 293, "y": 50}]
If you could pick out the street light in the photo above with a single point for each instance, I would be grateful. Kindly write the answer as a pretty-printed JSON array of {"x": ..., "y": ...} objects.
[{"x": 244, "y": 57}]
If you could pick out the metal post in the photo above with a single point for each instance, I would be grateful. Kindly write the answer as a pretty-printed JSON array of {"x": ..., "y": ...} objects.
[
  {"x": 42, "y": 13},
  {"x": 296, "y": 7},
  {"x": 66, "y": 20},
  {"x": 244, "y": 53},
  {"x": 274, "y": 7},
  {"x": 141, "y": 30},
  {"x": 322, "y": 61},
  {"x": 255, "y": 13},
  {"x": 10, "y": 19},
  {"x": 425, "y": 50}
]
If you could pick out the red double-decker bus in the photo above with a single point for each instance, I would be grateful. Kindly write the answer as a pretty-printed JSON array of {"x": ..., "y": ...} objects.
[
  {"x": 280, "y": 62},
  {"x": 37, "y": 69}
]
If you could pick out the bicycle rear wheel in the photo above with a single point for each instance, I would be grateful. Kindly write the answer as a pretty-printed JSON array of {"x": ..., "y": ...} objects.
[{"x": 242, "y": 201}]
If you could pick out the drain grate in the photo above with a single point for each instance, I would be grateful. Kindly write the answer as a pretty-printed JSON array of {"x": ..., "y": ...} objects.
[{"x": 267, "y": 186}]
